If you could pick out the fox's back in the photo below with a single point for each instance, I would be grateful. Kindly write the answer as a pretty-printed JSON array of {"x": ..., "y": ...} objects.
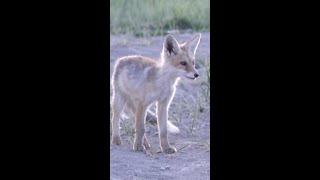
[{"x": 134, "y": 74}]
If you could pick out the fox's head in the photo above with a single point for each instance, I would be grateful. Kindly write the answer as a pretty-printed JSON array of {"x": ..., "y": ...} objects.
[{"x": 181, "y": 56}]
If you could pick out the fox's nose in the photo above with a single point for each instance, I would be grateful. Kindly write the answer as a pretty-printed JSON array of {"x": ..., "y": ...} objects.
[{"x": 196, "y": 75}]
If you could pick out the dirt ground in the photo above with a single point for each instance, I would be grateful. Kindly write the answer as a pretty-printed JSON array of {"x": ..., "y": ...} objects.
[{"x": 189, "y": 111}]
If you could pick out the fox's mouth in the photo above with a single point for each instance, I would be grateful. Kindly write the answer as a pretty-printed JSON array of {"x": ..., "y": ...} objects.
[{"x": 190, "y": 77}]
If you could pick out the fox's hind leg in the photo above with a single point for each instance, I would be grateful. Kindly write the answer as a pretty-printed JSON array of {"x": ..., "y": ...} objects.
[
  {"x": 117, "y": 108},
  {"x": 140, "y": 115},
  {"x": 149, "y": 118}
]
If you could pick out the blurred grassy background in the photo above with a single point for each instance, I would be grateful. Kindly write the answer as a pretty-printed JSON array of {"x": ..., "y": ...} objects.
[{"x": 155, "y": 17}]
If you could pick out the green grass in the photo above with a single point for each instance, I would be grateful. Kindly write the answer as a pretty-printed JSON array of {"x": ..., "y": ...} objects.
[{"x": 155, "y": 17}]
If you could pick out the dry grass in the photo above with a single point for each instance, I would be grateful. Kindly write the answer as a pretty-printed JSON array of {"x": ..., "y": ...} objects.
[{"x": 150, "y": 17}]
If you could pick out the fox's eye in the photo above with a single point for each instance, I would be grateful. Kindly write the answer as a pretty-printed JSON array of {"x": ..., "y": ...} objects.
[{"x": 183, "y": 63}]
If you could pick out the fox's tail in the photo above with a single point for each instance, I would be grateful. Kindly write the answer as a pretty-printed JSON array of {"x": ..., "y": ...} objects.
[
  {"x": 172, "y": 128},
  {"x": 152, "y": 119}
]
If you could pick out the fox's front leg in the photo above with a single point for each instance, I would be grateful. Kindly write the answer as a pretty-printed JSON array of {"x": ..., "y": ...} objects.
[
  {"x": 162, "y": 113},
  {"x": 139, "y": 126}
]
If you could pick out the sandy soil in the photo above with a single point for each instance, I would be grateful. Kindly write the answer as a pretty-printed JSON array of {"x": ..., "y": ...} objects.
[{"x": 192, "y": 161}]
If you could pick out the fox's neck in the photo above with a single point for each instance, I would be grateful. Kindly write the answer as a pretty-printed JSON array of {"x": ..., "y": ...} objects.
[{"x": 168, "y": 74}]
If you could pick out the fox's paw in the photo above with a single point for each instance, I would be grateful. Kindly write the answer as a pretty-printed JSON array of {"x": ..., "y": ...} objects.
[
  {"x": 169, "y": 150},
  {"x": 116, "y": 140}
]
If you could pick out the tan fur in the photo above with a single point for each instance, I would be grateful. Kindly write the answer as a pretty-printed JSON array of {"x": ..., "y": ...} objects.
[{"x": 140, "y": 81}]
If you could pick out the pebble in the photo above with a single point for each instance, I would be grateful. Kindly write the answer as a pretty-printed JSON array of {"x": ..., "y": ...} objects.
[{"x": 164, "y": 168}]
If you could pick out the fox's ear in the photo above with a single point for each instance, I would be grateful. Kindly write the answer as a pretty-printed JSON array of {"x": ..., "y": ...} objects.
[
  {"x": 193, "y": 43},
  {"x": 170, "y": 45}
]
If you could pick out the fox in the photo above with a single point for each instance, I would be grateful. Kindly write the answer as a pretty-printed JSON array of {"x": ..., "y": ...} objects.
[{"x": 140, "y": 81}]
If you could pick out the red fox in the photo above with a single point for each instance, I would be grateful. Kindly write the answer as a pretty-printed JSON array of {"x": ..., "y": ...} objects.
[{"x": 140, "y": 81}]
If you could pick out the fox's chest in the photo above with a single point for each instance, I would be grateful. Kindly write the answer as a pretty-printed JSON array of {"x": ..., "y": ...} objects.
[
  {"x": 161, "y": 93},
  {"x": 151, "y": 93},
  {"x": 149, "y": 89}
]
